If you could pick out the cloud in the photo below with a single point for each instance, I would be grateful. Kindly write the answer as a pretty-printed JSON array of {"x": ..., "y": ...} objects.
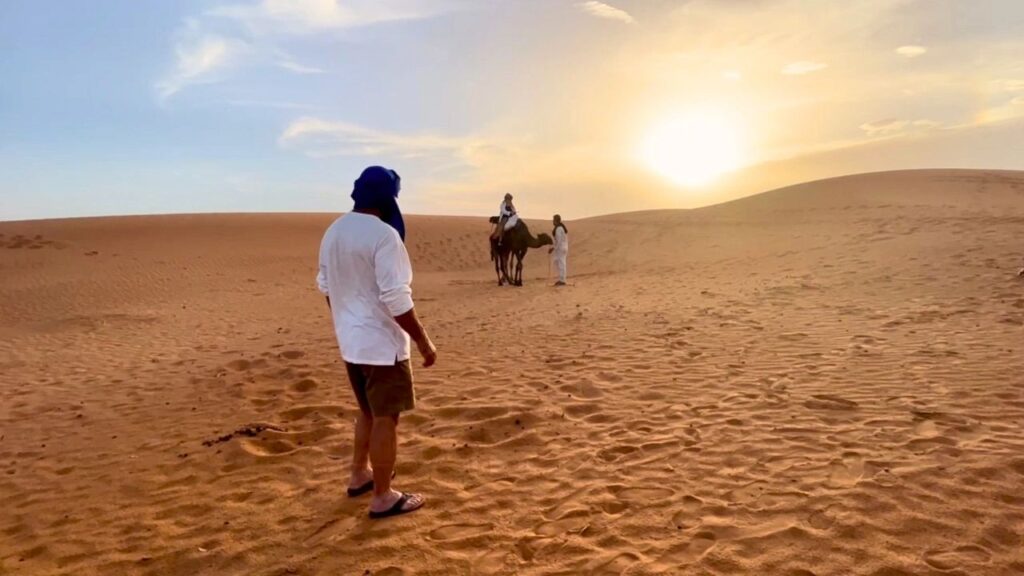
[
  {"x": 299, "y": 68},
  {"x": 602, "y": 10},
  {"x": 802, "y": 67},
  {"x": 894, "y": 126},
  {"x": 311, "y": 16},
  {"x": 320, "y": 138},
  {"x": 1019, "y": 100},
  {"x": 198, "y": 58},
  {"x": 282, "y": 105},
  {"x": 212, "y": 41},
  {"x": 1009, "y": 85},
  {"x": 911, "y": 51}
]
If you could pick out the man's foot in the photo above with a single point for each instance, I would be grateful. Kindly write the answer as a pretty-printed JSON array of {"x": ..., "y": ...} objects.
[
  {"x": 395, "y": 503},
  {"x": 360, "y": 483},
  {"x": 560, "y": 283}
]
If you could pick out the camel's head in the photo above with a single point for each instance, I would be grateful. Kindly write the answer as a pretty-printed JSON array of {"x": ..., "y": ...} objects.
[
  {"x": 544, "y": 239},
  {"x": 494, "y": 219}
]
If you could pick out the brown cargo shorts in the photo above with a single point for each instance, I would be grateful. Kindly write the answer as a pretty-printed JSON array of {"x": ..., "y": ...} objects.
[{"x": 382, "y": 390}]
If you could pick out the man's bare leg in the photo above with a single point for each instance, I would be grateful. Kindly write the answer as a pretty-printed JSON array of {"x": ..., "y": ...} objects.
[
  {"x": 361, "y": 473},
  {"x": 383, "y": 451}
]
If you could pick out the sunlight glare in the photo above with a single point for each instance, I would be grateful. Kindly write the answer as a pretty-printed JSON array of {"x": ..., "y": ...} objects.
[{"x": 693, "y": 149}]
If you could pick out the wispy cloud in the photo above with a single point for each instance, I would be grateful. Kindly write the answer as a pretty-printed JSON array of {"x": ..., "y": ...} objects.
[
  {"x": 321, "y": 138},
  {"x": 894, "y": 126},
  {"x": 213, "y": 41},
  {"x": 1008, "y": 85},
  {"x": 249, "y": 103},
  {"x": 299, "y": 68},
  {"x": 802, "y": 67},
  {"x": 310, "y": 16},
  {"x": 199, "y": 56},
  {"x": 602, "y": 10},
  {"x": 911, "y": 51}
]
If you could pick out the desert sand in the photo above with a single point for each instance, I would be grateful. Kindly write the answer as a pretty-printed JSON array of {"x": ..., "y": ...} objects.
[{"x": 821, "y": 380}]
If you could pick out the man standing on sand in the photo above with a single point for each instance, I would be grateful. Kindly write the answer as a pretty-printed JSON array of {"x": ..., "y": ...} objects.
[
  {"x": 366, "y": 276},
  {"x": 560, "y": 251}
]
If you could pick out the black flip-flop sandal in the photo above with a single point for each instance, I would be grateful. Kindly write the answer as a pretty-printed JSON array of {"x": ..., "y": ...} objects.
[
  {"x": 356, "y": 492},
  {"x": 365, "y": 488},
  {"x": 397, "y": 509}
]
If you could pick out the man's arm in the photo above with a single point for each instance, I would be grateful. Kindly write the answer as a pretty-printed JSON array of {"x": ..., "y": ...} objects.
[
  {"x": 394, "y": 279},
  {"x": 411, "y": 324},
  {"x": 321, "y": 277}
]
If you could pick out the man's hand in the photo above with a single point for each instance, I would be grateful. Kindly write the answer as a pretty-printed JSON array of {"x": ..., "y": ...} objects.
[
  {"x": 411, "y": 324},
  {"x": 428, "y": 351}
]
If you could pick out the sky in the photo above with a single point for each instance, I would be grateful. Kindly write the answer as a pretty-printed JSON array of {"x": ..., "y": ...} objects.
[{"x": 577, "y": 107}]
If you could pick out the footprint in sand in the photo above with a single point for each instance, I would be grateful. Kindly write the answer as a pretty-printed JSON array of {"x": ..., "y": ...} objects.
[
  {"x": 330, "y": 530},
  {"x": 613, "y": 508},
  {"x": 459, "y": 531},
  {"x": 261, "y": 447},
  {"x": 961, "y": 557},
  {"x": 292, "y": 354},
  {"x": 926, "y": 445},
  {"x": 617, "y": 565},
  {"x": 493, "y": 561},
  {"x": 692, "y": 550},
  {"x": 688, "y": 512},
  {"x": 748, "y": 494},
  {"x": 830, "y": 402},
  {"x": 609, "y": 377},
  {"x": 1017, "y": 466},
  {"x": 825, "y": 518},
  {"x": 563, "y": 526},
  {"x": 315, "y": 410},
  {"x": 585, "y": 389},
  {"x": 926, "y": 429},
  {"x": 240, "y": 365},
  {"x": 846, "y": 472},
  {"x": 616, "y": 452},
  {"x": 305, "y": 385},
  {"x": 643, "y": 495}
]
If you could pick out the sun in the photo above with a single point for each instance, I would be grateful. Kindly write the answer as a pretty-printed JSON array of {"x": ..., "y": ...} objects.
[{"x": 694, "y": 149}]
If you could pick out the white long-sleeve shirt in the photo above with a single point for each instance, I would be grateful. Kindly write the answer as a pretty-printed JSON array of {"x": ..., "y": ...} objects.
[
  {"x": 508, "y": 212},
  {"x": 561, "y": 241},
  {"x": 365, "y": 271}
]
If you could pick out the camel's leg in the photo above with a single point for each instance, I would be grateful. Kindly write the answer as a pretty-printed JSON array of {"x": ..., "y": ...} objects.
[
  {"x": 503, "y": 257},
  {"x": 508, "y": 266},
  {"x": 497, "y": 262},
  {"x": 496, "y": 256},
  {"x": 519, "y": 268}
]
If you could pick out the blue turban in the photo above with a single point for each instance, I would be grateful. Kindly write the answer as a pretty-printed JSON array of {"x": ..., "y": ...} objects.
[{"x": 377, "y": 189}]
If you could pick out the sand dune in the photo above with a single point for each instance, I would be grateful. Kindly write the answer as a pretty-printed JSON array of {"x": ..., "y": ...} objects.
[{"x": 820, "y": 380}]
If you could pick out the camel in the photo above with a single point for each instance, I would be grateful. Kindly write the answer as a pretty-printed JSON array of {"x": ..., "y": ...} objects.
[{"x": 514, "y": 243}]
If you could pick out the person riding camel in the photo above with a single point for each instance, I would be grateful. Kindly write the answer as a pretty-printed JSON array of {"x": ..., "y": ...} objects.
[{"x": 507, "y": 218}]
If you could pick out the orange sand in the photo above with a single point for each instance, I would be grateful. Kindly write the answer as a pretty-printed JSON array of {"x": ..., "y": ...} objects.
[{"x": 821, "y": 380}]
